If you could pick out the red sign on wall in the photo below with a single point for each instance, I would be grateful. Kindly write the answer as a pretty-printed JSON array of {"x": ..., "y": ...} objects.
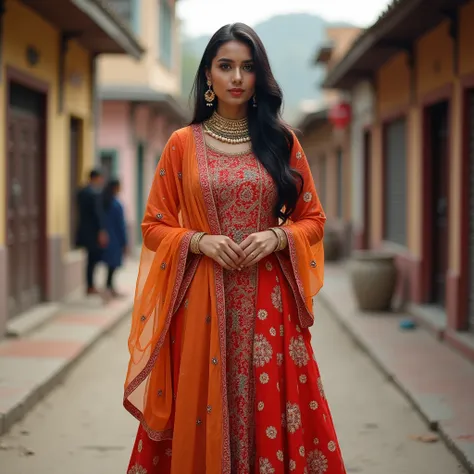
[{"x": 340, "y": 115}]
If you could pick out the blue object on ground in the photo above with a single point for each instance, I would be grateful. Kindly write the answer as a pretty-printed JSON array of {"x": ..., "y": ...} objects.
[{"x": 407, "y": 324}]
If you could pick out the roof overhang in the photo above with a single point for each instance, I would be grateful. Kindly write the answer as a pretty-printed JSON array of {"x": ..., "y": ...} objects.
[
  {"x": 145, "y": 95},
  {"x": 92, "y": 23},
  {"x": 396, "y": 30},
  {"x": 312, "y": 119}
]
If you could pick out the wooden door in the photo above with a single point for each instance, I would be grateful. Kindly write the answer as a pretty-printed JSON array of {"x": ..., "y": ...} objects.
[
  {"x": 75, "y": 131},
  {"x": 25, "y": 234},
  {"x": 439, "y": 199}
]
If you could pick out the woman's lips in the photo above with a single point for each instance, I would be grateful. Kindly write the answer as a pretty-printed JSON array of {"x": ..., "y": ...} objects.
[{"x": 236, "y": 92}]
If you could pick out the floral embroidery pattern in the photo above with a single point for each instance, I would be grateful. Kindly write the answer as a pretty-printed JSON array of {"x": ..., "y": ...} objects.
[
  {"x": 262, "y": 351},
  {"x": 265, "y": 466},
  {"x": 321, "y": 388},
  {"x": 241, "y": 190},
  {"x": 271, "y": 432},
  {"x": 276, "y": 298},
  {"x": 317, "y": 462},
  {"x": 298, "y": 351},
  {"x": 137, "y": 469},
  {"x": 264, "y": 378},
  {"x": 293, "y": 417}
]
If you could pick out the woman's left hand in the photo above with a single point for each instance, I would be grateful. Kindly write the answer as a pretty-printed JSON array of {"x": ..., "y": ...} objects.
[{"x": 257, "y": 246}]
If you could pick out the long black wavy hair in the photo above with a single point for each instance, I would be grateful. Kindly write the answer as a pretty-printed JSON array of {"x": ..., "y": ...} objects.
[{"x": 271, "y": 138}]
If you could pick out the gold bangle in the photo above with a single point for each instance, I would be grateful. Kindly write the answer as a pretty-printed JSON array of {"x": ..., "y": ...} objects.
[
  {"x": 281, "y": 238},
  {"x": 194, "y": 245}
]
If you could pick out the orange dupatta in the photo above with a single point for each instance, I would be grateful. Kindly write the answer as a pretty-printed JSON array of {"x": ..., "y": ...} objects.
[{"x": 180, "y": 203}]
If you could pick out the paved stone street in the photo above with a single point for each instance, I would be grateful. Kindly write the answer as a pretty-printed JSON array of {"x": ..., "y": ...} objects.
[{"x": 82, "y": 428}]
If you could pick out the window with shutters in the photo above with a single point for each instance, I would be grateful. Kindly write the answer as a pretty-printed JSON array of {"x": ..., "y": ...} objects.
[
  {"x": 340, "y": 182},
  {"x": 129, "y": 11},
  {"x": 395, "y": 183},
  {"x": 166, "y": 33}
]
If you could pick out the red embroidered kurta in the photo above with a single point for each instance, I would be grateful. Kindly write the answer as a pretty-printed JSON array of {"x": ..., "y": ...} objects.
[{"x": 279, "y": 419}]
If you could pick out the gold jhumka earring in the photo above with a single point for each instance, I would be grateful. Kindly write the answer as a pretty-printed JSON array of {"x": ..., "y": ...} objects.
[{"x": 209, "y": 95}]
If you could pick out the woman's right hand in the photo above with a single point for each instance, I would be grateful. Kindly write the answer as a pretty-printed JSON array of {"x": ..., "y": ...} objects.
[{"x": 222, "y": 250}]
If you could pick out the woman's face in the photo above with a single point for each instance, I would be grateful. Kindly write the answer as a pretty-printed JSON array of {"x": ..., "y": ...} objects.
[{"x": 232, "y": 74}]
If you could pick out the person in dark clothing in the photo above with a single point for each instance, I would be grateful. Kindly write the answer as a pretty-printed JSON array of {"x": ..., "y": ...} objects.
[
  {"x": 91, "y": 233},
  {"x": 115, "y": 226}
]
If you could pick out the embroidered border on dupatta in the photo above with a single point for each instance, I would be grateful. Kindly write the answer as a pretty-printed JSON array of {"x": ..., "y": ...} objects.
[
  {"x": 204, "y": 178},
  {"x": 294, "y": 280},
  {"x": 132, "y": 386}
]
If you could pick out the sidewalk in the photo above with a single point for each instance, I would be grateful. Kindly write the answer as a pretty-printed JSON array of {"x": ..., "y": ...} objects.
[
  {"x": 438, "y": 381},
  {"x": 31, "y": 366}
]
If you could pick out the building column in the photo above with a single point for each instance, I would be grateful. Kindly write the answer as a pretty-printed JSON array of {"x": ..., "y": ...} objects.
[{"x": 454, "y": 307}]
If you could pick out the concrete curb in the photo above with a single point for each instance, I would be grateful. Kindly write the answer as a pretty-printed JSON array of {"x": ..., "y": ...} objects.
[
  {"x": 359, "y": 338},
  {"x": 55, "y": 377}
]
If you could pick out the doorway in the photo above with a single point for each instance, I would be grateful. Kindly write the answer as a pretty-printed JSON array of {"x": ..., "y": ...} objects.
[
  {"x": 437, "y": 134},
  {"x": 75, "y": 141},
  {"x": 26, "y": 240}
]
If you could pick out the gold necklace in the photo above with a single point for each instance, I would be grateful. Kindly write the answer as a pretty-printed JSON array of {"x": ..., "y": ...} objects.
[{"x": 227, "y": 130}]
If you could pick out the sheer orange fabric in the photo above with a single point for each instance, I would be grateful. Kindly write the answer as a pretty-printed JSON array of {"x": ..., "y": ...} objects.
[{"x": 171, "y": 403}]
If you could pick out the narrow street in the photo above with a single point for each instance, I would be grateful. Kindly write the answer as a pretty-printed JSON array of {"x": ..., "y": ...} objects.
[{"x": 82, "y": 427}]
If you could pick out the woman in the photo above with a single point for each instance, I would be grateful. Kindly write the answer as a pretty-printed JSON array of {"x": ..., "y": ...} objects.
[
  {"x": 116, "y": 230},
  {"x": 221, "y": 373}
]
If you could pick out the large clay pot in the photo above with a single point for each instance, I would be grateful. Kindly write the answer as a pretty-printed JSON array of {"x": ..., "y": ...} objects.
[
  {"x": 332, "y": 246},
  {"x": 373, "y": 276}
]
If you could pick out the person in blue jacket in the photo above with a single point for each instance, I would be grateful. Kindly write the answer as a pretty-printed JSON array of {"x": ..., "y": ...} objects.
[{"x": 115, "y": 226}]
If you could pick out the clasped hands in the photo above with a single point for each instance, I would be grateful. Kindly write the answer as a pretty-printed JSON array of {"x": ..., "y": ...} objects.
[{"x": 232, "y": 256}]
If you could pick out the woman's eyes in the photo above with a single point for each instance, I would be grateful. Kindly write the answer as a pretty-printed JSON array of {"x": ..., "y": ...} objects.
[{"x": 228, "y": 67}]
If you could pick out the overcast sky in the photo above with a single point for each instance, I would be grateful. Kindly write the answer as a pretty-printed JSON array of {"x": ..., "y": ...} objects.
[{"x": 206, "y": 16}]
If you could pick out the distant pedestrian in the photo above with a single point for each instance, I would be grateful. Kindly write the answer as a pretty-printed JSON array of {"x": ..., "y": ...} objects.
[
  {"x": 91, "y": 234},
  {"x": 116, "y": 230}
]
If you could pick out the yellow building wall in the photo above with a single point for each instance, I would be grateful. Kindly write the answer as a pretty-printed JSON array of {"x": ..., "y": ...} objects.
[
  {"x": 148, "y": 71},
  {"x": 393, "y": 84},
  {"x": 434, "y": 59},
  {"x": 23, "y": 27}
]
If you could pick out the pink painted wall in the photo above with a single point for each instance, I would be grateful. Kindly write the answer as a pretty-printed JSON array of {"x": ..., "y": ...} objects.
[{"x": 121, "y": 132}]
